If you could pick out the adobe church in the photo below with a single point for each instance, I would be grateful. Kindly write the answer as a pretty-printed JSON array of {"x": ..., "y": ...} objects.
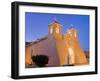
[{"x": 62, "y": 49}]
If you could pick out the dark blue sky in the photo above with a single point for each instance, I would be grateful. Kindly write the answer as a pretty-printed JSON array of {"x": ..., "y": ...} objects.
[{"x": 37, "y": 25}]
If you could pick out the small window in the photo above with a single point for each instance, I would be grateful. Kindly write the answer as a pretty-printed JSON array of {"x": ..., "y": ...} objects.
[{"x": 51, "y": 31}]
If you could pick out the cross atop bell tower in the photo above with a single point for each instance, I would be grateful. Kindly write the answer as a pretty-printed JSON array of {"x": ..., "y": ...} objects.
[{"x": 55, "y": 20}]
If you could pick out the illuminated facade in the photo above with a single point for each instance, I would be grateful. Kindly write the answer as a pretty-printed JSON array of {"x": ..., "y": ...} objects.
[{"x": 61, "y": 49}]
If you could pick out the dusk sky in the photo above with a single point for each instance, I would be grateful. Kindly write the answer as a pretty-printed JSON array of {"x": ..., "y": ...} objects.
[{"x": 37, "y": 26}]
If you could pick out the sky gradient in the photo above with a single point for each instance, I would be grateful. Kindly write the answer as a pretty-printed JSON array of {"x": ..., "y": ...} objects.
[{"x": 36, "y": 26}]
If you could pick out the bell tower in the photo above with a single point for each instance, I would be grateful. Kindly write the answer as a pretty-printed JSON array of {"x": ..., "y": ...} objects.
[
  {"x": 76, "y": 53},
  {"x": 55, "y": 28}
]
